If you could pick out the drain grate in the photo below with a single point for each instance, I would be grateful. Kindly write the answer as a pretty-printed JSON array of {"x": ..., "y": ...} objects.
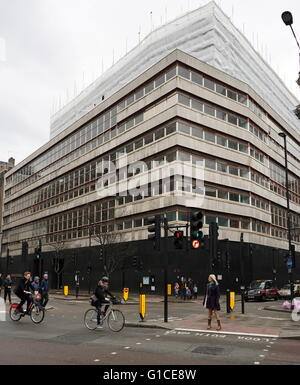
[{"x": 208, "y": 350}]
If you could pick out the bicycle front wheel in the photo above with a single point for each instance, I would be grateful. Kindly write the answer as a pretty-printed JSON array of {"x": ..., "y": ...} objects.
[
  {"x": 90, "y": 319},
  {"x": 116, "y": 320},
  {"x": 37, "y": 314}
]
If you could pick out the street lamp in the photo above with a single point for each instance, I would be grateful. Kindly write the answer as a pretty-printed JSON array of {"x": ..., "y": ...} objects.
[
  {"x": 283, "y": 135},
  {"x": 287, "y": 18}
]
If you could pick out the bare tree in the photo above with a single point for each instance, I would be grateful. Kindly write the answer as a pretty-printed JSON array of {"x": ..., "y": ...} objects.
[{"x": 58, "y": 247}]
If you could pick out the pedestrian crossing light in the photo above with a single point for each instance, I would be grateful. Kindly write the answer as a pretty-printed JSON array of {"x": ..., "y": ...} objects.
[
  {"x": 196, "y": 225},
  {"x": 37, "y": 254}
]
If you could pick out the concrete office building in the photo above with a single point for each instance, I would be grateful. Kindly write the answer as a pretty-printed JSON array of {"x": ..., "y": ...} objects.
[{"x": 217, "y": 133}]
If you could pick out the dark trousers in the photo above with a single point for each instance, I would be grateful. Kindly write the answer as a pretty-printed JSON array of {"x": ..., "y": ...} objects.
[
  {"x": 7, "y": 293},
  {"x": 45, "y": 299},
  {"x": 99, "y": 305},
  {"x": 24, "y": 298}
]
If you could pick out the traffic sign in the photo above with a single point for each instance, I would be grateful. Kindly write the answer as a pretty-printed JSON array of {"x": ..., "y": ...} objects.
[
  {"x": 196, "y": 244},
  {"x": 289, "y": 263}
]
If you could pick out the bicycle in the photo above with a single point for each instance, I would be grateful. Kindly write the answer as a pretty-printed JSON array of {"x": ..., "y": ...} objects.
[
  {"x": 35, "y": 311},
  {"x": 114, "y": 317}
]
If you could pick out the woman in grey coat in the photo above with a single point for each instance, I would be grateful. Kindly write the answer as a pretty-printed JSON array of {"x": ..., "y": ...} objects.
[{"x": 211, "y": 301}]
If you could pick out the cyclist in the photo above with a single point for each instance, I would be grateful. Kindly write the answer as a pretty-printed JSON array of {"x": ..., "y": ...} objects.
[
  {"x": 23, "y": 291},
  {"x": 102, "y": 293}
]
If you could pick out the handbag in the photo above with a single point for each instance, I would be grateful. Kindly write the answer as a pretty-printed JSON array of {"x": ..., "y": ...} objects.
[{"x": 93, "y": 299}]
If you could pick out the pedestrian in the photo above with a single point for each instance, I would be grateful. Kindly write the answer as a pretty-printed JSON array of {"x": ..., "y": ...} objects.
[
  {"x": 1, "y": 283},
  {"x": 7, "y": 284},
  {"x": 45, "y": 289},
  {"x": 211, "y": 301},
  {"x": 183, "y": 292},
  {"x": 176, "y": 289},
  {"x": 36, "y": 284},
  {"x": 188, "y": 293},
  {"x": 195, "y": 291}
]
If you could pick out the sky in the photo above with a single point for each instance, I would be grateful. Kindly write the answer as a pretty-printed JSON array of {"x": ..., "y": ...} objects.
[{"x": 51, "y": 49}]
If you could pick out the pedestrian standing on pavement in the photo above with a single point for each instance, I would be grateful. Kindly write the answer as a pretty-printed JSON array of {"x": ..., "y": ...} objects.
[
  {"x": 195, "y": 291},
  {"x": 176, "y": 289},
  {"x": 211, "y": 301},
  {"x": 1, "y": 283},
  {"x": 45, "y": 289},
  {"x": 7, "y": 284},
  {"x": 36, "y": 284}
]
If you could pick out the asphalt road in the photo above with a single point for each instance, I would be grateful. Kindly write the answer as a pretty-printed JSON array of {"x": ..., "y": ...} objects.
[{"x": 62, "y": 339}]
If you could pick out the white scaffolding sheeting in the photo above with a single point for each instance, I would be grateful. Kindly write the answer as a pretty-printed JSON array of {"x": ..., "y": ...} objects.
[{"x": 205, "y": 33}]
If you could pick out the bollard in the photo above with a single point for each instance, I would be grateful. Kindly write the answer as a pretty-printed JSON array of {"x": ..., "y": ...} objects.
[
  {"x": 142, "y": 306},
  {"x": 169, "y": 289},
  {"x": 125, "y": 293},
  {"x": 66, "y": 290},
  {"x": 243, "y": 300}
]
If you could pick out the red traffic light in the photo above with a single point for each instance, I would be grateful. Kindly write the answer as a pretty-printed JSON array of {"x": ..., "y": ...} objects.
[{"x": 178, "y": 234}]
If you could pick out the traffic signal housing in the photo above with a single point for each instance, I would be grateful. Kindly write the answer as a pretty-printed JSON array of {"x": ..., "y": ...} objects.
[
  {"x": 37, "y": 253},
  {"x": 24, "y": 249},
  {"x": 196, "y": 225},
  {"x": 154, "y": 231},
  {"x": 178, "y": 239}
]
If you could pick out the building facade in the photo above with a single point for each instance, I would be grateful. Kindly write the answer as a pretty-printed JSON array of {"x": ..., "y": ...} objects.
[{"x": 181, "y": 136}]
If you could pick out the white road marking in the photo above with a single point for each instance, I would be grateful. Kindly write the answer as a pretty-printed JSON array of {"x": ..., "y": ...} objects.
[
  {"x": 256, "y": 363},
  {"x": 138, "y": 343},
  {"x": 96, "y": 360},
  {"x": 114, "y": 353},
  {"x": 229, "y": 333},
  {"x": 126, "y": 347},
  {"x": 261, "y": 356},
  {"x": 148, "y": 339}
]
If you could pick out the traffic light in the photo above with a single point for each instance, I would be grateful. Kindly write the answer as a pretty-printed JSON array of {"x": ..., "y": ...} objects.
[
  {"x": 205, "y": 243},
  {"x": 24, "y": 249},
  {"x": 37, "y": 253},
  {"x": 11, "y": 260},
  {"x": 219, "y": 257},
  {"x": 214, "y": 235},
  {"x": 196, "y": 225},
  {"x": 154, "y": 231},
  {"x": 89, "y": 269},
  {"x": 178, "y": 239}
]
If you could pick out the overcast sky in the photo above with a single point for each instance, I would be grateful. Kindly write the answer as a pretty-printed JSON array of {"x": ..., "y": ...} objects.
[{"x": 51, "y": 49}]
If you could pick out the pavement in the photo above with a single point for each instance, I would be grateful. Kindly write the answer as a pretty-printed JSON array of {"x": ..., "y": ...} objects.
[{"x": 191, "y": 316}]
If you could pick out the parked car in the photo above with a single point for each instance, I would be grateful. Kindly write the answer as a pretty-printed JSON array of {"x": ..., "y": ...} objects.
[
  {"x": 285, "y": 292},
  {"x": 261, "y": 290}
]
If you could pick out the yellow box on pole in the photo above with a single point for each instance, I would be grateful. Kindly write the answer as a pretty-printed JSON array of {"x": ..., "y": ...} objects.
[
  {"x": 169, "y": 289},
  {"x": 125, "y": 293},
  {"x": 232, "y": 300},
  {"x": 142, "y": 306},
  {"x": 66, "y": 290}
]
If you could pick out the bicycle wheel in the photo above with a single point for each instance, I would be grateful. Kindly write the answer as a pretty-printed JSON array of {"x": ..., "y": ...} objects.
[
  {"x": 37, "y": 314},
  {"x": 90, "y": 319},
  {"x": 14, "y": 313},
  {"x": 116, "y": 320}
]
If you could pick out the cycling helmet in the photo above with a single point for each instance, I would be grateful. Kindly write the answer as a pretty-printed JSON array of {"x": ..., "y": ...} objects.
[{"x": 105, "y": 279}]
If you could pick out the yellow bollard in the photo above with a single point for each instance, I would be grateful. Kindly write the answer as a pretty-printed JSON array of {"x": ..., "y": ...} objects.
[
  {"x": 66, "y": 290},
  {"x": 142, "y": 306},
  {"x": 232, "y": 300},
  {"x": 125, "y": 294},
  {"x": 169, "y": 289}
]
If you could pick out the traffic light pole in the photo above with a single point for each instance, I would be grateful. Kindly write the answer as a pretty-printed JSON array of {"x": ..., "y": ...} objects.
[{"x": 166, "y": 272}]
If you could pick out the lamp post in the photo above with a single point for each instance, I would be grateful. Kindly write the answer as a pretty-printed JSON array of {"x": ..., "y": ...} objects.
[{"x": 283, "y": 135}]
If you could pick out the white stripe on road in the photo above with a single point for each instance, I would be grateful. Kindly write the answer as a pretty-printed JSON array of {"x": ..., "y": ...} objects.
[{"x": 228, "y": 333}]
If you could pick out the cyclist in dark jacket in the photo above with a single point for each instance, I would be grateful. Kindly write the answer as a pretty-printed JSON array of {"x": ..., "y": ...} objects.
[
  {"x": 24, "y": 290},
  {"x": 102, "y": 293}
]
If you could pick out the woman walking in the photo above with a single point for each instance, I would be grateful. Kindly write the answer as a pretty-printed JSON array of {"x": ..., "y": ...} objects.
[
  {"x": 211, "y": 301},
  {"x": 7, "y": 288}
]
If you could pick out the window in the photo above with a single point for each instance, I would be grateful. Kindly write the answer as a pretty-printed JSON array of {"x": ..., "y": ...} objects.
[
  {"x": 197, "y": 105},
  {"x": 171, "y": 128},
  {"x": 245, "y": 225},
  {"x": 222, "y": 194},
  {"x": 171, "y": 73},
  {"x": 234, "y": 197},
  {"x": 138, "y": 144},
  {"x": 242, "y": 123},
  {"x": 139, "y": 118},
  {"x": 139, "y": 94},
  {"x": 197, "y": 132},
  {"x": 121, "y": 128},
  {"x": 129, "y": 124},
  {"x": 148, "y": 139},
  {"x": 210, "y": 164},
  {"x": 220, "y": 89},
  {"x": 233, "y": 170},
  {"x": 210, "y": 192},
  {"x": 209, "y": 110},
  {"x": 231, "y": 94},
  {"x": 210, "y": 219},
  {"x": 184, "y": 100},
  {"x": 130, "y": 100},
  {"x": 184, "y": 72},
  {"x": 149, "y": 87},
  {"x": 159, "y": 81},
  {"x": 232, "y": 144},
  {"x": 209, "y": 136},
  {"x": 243, "y": 148},
  {"x": 232, "y": 119},
  {"x": 221, "y": 141},
  {"x": 184, "y": 128},
  {"x": 242, "y": 98},
  {"x": 234, "y": 223},
  {"x": 244, "y": 173},
  {"x": 196, "y": 78},
  {"x": 245, "y": 199},
  {"x": 222, "y": 167},
  {"x": 223, "y": 222},
  {"x": 184, "y": 156},
  {"x": 209, "y": 84},
  {"x": 221, "y": 115},
  {"x": 160, "y": 133}
]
